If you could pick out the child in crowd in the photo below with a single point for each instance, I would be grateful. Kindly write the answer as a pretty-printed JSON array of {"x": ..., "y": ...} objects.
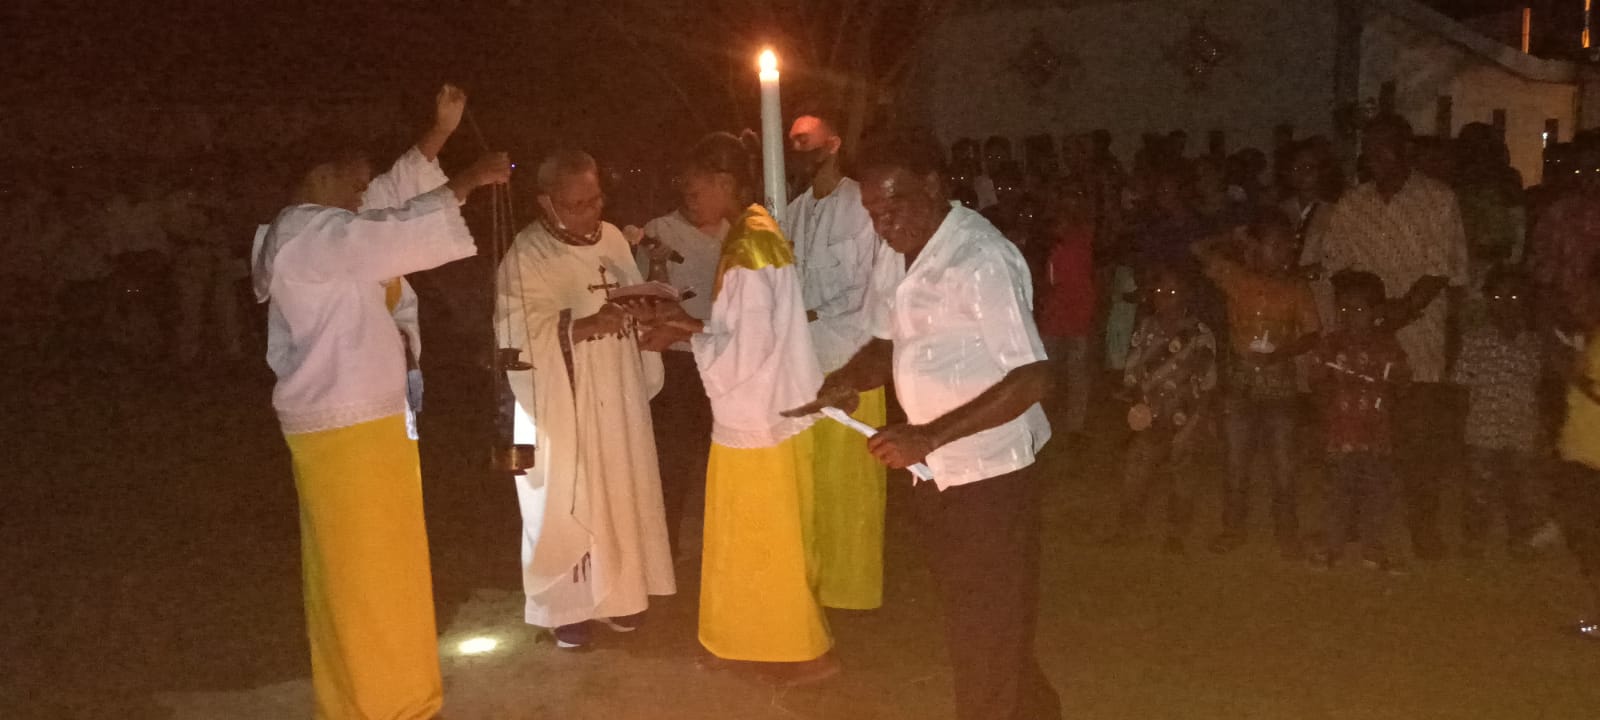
[
  {"x": 1067, "y": 306},
  {"x": 1500, "y": 365},
  {"x": 1273, "y": 319},
  {"x": 1169, "y": 375},
  {"x": 1354, "y": 373}
]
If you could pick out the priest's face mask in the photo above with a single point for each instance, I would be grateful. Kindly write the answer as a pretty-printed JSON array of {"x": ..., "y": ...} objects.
[
  {"x": 577, "y": 203},
  {"x": 812, "y": 143},
  {"x": 906, "y": 210}
]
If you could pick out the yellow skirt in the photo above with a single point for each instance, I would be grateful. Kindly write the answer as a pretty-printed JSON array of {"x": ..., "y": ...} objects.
[
  {"x": 850, "y": 505},
  {"x": 757, "y": 576},
  {"x": 364, "y": 557}
]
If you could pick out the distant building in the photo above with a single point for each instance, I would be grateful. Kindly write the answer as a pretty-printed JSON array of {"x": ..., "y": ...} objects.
[{"x": 1020, "y": 69}]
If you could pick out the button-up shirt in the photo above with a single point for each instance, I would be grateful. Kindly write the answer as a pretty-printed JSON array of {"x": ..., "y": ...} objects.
[
  {"x": 960, "y": 319},
  {"x": 1502, "y": 379},
  {"x": 1416, "y": 233}
]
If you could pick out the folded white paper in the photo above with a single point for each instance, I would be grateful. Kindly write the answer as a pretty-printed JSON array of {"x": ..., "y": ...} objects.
[{"x": 923, "y": 472}]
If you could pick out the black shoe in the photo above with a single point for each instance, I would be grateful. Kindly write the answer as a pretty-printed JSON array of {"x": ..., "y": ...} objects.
[{"x": 572, "y": 637}]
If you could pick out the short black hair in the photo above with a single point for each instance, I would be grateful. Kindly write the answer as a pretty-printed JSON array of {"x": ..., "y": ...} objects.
[
  {"x": 1361, "y": 284},
  {"x": 915, "y": 150},
  {"x": 325, "y": 145},
  {"x": 821, "y": 109},
  {"x": 725, "y": 152}
]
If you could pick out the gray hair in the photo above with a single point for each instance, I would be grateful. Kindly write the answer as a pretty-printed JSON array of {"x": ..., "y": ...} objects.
[{"x": 563, "y": 164}]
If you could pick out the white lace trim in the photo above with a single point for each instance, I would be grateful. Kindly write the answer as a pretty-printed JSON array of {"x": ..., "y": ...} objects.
[
  {"x": 755, "y": 439},
  {"x": 296, "y": 422}
]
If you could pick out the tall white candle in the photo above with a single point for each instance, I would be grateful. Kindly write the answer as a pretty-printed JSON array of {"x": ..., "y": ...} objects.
[{"x": 776, "y": 196}]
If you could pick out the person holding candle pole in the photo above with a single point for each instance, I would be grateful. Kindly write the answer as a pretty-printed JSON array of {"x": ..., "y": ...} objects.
[
  {"x": 834, "y": 245},
  {"x": 758, "y": 600}
]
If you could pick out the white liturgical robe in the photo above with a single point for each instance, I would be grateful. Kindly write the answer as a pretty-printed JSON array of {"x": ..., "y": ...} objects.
[{"x": 594, "y": 541}]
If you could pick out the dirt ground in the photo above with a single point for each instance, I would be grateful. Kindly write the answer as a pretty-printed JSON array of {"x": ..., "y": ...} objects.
[{"x": 149, "y": 545}]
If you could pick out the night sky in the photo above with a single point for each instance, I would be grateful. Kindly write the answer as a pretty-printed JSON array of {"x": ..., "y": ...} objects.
[{"x": 551, "y": 68}]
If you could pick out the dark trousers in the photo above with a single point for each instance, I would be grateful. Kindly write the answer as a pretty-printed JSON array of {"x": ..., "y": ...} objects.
[
  {"x": 1497, "y": 477},
  {"x": 1428, "y": 443},
  {"x": 1158, "y": 458},
  {"x": 982, "y": 543},
  {"x": 1257, "y": 427},
  {"x": 1360, "y": 484},
  {"x": 681, "y": 415},
  {"x": 1577, "y": 500}
]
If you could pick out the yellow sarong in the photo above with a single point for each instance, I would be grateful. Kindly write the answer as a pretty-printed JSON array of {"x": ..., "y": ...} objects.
[
  {"x": 850, "y": 505},
  {"x": 757, "y": 582},
  {"x": 364, "y": 558}
]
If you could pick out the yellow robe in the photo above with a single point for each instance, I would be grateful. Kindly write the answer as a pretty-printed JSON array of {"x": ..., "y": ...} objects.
[
  {"x": 850, "y": 491},
  {"x": 757, "y": 575},
  {"x": 758, "y": 598},
  {"x": 367, "y": 585}
]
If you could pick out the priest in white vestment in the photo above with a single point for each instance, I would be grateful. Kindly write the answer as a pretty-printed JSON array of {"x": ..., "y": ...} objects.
[{"x": 594, "y": 544}]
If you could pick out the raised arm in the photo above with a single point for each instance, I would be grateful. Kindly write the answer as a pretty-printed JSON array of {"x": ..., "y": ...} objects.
[
  {"x": 377, "y": 245},
  {"x": 448, "y": 107}
]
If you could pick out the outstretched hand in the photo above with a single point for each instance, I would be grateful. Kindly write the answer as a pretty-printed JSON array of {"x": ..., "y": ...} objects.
[
  {"x": 829, "y": 395},
  {"x": 448, "y": 107}
]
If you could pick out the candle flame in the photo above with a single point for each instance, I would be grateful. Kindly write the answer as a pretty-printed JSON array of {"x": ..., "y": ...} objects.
[{"x": 768, "y": 61}]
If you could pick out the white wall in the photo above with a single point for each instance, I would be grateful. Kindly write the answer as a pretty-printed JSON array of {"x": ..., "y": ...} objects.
[
  {"x": 1425, "y": 66},
  {"x": 1280, "y": 70}
]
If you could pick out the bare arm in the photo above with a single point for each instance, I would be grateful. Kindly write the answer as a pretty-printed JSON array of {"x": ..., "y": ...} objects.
[
  {"x": 449, "y": 106},
  {"x": 870, "y": 368},
  {"x": 902, "y": 445}
]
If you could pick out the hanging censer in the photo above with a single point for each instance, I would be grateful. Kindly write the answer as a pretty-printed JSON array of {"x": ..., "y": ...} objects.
[{"x": 507, "y": 455}]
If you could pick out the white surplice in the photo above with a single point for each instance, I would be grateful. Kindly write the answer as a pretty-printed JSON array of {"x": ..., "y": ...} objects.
[{"x": 594, "y": 541}]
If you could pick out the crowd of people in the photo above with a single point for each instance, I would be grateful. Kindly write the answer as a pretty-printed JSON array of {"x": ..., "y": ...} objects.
[
  {"x": 1221, "y": 288},
  {"x": 1424, "y": 324},
  {"x": 156, "y": 268}
]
